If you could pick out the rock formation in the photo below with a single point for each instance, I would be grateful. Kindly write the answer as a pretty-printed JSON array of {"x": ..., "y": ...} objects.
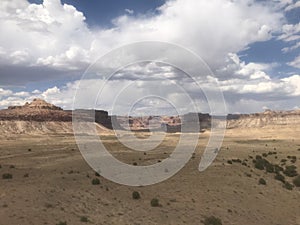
[
  {"x": 41, "y": 111},
  {"x": 37, "y": 110}
]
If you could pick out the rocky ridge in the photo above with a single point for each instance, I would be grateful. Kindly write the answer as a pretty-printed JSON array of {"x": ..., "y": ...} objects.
[{"x": 40, "y": 111}]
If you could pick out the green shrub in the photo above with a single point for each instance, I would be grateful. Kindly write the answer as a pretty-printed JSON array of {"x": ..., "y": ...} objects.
[
  {"x": 288, "y": 186},
  {"x": 293, "y": 160},
  {"x": 84, "y": 219},
  {"x": 62, "y": 223},
  {"x": 262, "y": 181},
  {"x": 212, "y": 221},
  {"x": 258, "y": 157},
  {"x": 248, "y": 174},
  {"x": 290, "y": 171},
  {"x": 97, "y": 174},
  {"x": 229, "y": 161},
  {"x": 7, "y": 176},
  {"x": 237, "y": 161},
  {"x": 280, "y": 177},
  {"x": 95, "y": 181},
  {"x": 277, "y": 168},
  {"x": 136, "y": 195},
  {"x": 270, "y": 168},
  {"x": 296, "y": 181},
  {"x": 261, "y": 164},
  {"x": 154, "y": 202},
  {"x": 264, "y": 154}
]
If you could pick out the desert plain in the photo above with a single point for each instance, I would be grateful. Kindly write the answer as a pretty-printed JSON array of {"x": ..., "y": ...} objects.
[{"x": 51, "y": 183}]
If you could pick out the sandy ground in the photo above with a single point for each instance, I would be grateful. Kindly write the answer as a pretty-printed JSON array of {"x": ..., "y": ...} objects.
[{"x": 52, "y": 183}]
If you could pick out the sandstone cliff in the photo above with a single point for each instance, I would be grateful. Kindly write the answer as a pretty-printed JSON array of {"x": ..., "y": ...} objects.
[
  {"x": 42, "y": 117},
  {"x": 267, "y": 119}
]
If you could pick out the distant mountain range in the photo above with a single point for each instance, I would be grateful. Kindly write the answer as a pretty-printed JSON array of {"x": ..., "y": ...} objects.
[{"x": 41, "y": 111}]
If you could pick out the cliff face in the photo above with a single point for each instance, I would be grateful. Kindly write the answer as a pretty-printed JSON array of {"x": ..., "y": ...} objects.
[
  {"x": 266, "y": 119},
  {"x": 40, "y": 111}
]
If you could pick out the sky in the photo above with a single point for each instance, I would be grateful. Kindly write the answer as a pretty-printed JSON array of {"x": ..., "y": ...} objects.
[{"x": 251, "y": 47}]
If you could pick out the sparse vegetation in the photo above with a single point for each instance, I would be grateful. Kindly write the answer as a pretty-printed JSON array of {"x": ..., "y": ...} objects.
[
  {"x": 288, "y": 186},
  {"x": 212, "y": 220},
  {"x": 296, "y": 181},
  {"x": 280, "y": 177},
  {"x": 136, "y": 195},
  {"x": 270, "y": 168},
  {"x": 95, "y": 181},
  {"x": 62, "y": 223},
  {"x": 229, "y": 161},
  {"x": 290, "y": 171},
  {"x": 293, "y": 159},
  {"x": 262, "y": 181},
  {"x": 260, "y": 164},
  {"x": 7, "y": 176},
  {"x": 248, "y": 175},
  {"x": 154, "y": 202},
  {"x": 277, "y": 168},
  {"x": 84, "y": 219},
  {"x": 237, "y": 160}
]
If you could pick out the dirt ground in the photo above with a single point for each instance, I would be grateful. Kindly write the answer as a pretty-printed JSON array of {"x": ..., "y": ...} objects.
[{"x": 52, "y": 183}]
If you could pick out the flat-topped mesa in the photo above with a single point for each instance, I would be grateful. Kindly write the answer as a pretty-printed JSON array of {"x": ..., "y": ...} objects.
[
  {"x": 37, "y": 110},
  {"x": 36, "y": 104}
]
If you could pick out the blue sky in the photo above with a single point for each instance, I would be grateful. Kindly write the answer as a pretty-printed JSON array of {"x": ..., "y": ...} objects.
[
  {"x": 252, "y": 47},
  {"x": 101, "y": 12}
]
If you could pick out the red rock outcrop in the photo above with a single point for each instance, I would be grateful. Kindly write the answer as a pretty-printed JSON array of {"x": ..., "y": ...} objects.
[{"x": 37, "y": 110}]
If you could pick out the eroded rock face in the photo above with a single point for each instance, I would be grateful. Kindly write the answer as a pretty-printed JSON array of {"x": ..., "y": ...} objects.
[
  {"x": 41, "y": 111},
  {"x": 36, "y": 104},
  {"x": 37, "y": 110},
  {"x": 268, "y": 118}
]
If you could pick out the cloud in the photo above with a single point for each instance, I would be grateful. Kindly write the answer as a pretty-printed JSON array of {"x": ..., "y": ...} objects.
[
  {"x": 292, "y": 48},
  {"x": 51, "y": 41},
  {"x": 120, "y": 96},
  {"x": 55, "y": 36},
  {"x": 129, "y": 11},
  {"x": 4, "y": 92},
  {"x": 236, "y": 68},
  {"x": 293, "y": 6},
  {"x": 290, "y": 34},
  {"x": 22, "y": 94},
  {"x": 296, "y": 62}
]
